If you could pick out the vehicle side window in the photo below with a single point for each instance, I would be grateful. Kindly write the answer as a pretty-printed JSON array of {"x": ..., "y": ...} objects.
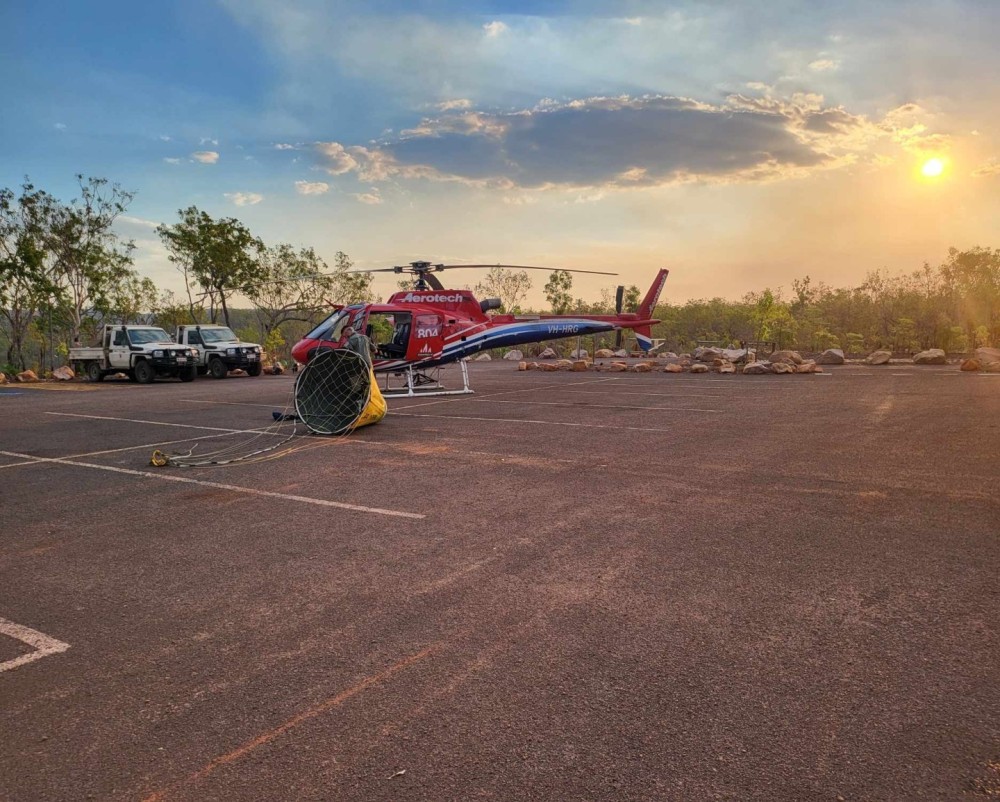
[
  {"x": 194, "y": 338},
  {"x": 120, "y": 338},
  {"x": 428, "y": 326}
]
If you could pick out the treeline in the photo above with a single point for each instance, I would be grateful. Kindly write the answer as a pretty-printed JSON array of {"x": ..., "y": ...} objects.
[{"x": 64, "y": 273}]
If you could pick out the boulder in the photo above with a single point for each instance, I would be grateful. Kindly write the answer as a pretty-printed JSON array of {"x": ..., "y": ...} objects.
[
  {"x": 808, "y": 366},
  {"x": 667, "y": 355},
  {"x": 64, "y": 374},
  {"x": 277, "y": 369},
  {"x": 604, "y": 353},
  {"x": 617, "y": 367},
  {"x": 548, "y": 366},
  {"x": 27, "y": 376},
  {"x": 988, "y": 359},
  {"x": 621, "y": 352},
  {"x": 533, "y": 366},
  {"x": 932, "y": 356},
  {"x": 878, "y": 358},
  {"x": 673, "y": 369},
  {"x": 755, "y": 368},
  {"x": 727, "y": 367},
  {"x": 831, "y": 356},
  {"x": 706, "y": 354},
  {"x": 3, "y": 378},
  {"x": 513, "y": 356},
  {"x": 787, "y": 357},
  {"x": 564, "y": 364},
  {"x": 699, "y": 368},
  {"x": 548, "y": 353},
  {"x": 522, "y": 365},
  {"x": 482, "y": 358},
  {"x": 735, "y": 354},
  {"x": 967, "y": 365},
  {"x": 579, "y": 353},
  {"x": 642, "y": 367},
  {"x": 783, "y": 367},
  {"x": 580, "y": 365}
]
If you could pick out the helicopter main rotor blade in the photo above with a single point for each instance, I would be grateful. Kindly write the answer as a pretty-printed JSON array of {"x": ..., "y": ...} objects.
[{"x": 530, "y": 267}]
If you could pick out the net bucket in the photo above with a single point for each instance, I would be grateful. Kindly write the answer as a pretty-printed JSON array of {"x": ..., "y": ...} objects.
[{"x": 336, "y": 393}]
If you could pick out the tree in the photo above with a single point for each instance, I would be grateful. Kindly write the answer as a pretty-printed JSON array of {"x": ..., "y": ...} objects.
[
  {"x": 26, "y": 279},
  {"x": 293, "y": 286},
  {"x": 510, "y": 286},
  {"x": 631, "y": 299},
  {"x": 557, "y": 291},
  {"x": 220, "y": 255},
  {"x": 90, "y": 260},
  {"x": 129, "y": 297}
]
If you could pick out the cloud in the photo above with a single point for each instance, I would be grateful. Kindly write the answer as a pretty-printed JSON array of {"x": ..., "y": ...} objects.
[
  {"x": 171, "y": 160},
  {"x": 137, "y": 221},
  {"x": 494, "y": 29},
  {"x": 372, "y": 198},
  {"x": 164, "y": 138},
  {"x": 629, "y": 142},
  {"x": 60, "y": 126},
  {"x": 824, "y": 65},
  {"x": 244, "y": 198},
  {"x": 312, "y": 187},
  {"x": 208, "y": 141},
  {"x": 284, "y": 146},
  {"x": 990, "y": 168},
  {"x": 205, "y": 156},
  {"x": 450, "y": 105}
]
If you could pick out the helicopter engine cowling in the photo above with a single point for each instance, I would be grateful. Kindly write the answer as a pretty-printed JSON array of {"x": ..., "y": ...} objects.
[{"x": 490, "y": 303}]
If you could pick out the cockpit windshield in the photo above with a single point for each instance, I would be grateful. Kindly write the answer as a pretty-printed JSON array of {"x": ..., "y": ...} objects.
[{"x": 332, "y": 329}]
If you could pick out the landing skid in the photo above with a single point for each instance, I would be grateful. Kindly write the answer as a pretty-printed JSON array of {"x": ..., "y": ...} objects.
[{"x": 411, "y": 382}]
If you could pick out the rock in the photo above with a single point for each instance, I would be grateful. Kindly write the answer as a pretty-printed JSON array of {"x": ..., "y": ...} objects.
[
  {"x": 621, "y": 352},
  {"x": 238, "y": 372},
  {"x": 513, "y": 356},
  {"x": 604, "y": 353},
  {"x": 988, "y": 359},
  {"x": 580, "y": 365},
  {"x": 967, "y": 365},
  {"x": 482, "y": 358},
  {"x": 735, "y": 354},
  {"x": 548, "y": 353},
  {"x": 755, "y": 368},
  {"x": 667, "y": 355},
  {"x": 548, "y": 366},
  {"x": 788, "y": 357},
  {"x": 564, "y": 364},
  {"x": 932, "y": 356},
  {"x": 878, "y": 358},
  {"x": 642, "y": 367},
  {"x": 783, "y": 367},
  {"x": 673, "y": 369},
  {"x": 64, "y": 374},
  {"x": 27, "y": 377},
  {"x": 831, "y": 356},
  {"x": 533, "y": 366},
  {"x": 522, "y": 365},
  {"x": 580, "y": 353},
  {"x": 277, "y": 369},
  {"x": 704, "y": 354},
  {"x": 699, "y": 368},
  {"x": 617, "y": 367},
  {"x": 727, "y": 367},
  {"x": 3, "y": 378},
  {"x": 808, "y": 366}
]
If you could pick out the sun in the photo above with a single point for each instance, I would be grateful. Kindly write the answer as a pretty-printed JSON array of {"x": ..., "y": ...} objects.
[{"x": 932, "y": 168}]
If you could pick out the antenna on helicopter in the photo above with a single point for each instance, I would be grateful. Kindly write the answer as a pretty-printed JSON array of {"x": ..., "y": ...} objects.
[{"x": 426, "y": 281}]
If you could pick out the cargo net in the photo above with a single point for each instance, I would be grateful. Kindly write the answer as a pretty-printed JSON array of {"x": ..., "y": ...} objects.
[
  {"x": 329, "y": 398},
  {"x": 332, "y": 392}
]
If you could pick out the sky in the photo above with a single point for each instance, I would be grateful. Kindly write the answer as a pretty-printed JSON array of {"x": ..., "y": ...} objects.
[{"x": 741, "y": 145}]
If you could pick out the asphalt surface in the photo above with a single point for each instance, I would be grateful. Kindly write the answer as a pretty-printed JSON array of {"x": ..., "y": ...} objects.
[{"x": 565, "y": 587}]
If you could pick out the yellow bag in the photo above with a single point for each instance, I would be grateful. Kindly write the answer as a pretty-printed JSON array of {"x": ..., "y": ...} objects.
[{"x": 376, "y": 408}]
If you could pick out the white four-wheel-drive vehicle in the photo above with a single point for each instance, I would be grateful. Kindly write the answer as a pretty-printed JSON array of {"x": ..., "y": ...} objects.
[
  {"x": 141, "y": 352},
  {"x": 219, "y": 350}
]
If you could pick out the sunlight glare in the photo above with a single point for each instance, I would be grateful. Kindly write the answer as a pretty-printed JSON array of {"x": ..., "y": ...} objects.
[{"x": 932, "y": 168}]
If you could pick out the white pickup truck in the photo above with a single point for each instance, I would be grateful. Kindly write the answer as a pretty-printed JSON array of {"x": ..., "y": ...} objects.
[
  {"x": 141, "y": 352},
  {"x": 220, "y": 350}
]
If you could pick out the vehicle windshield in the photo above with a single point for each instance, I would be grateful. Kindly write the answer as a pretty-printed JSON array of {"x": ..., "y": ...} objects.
[
  {"x": 332, "y": 329},
  {"x": 145, "y": 336},
  {"x": 222, "y": 335}
]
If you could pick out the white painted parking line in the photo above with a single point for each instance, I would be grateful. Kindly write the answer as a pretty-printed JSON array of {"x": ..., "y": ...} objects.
[
  {"x": 456, "y": 399},
  {"x": 531, "y": 422},
  {"x": 166, "y": 477},
  {"x": 654, "y": 395},
  {"x": 163, "y": 423},
  {"x": 42, "y": 644},
  {"x": 590, "y": 406}
]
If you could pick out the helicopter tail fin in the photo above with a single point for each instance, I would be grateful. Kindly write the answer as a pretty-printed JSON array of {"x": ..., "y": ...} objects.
[
  {"x": 643, "y": 336},
  {"x": 645, "y": 310}
]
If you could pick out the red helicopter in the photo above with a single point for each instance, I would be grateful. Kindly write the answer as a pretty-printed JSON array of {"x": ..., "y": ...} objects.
[{"x": 421, "y": 329}]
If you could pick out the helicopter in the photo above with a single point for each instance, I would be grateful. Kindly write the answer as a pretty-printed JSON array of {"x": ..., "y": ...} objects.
[{"x": 417, "y": 331}]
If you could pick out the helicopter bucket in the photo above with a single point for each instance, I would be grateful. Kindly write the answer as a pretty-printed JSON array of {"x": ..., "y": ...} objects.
[{"x": 336, "y": 393}]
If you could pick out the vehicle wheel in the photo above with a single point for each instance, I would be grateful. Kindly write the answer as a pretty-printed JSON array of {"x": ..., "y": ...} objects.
[
  {"x": 254, "y": 369},
  {"x": 218, "y": 369},
  {"x": 144, "y": 373},
  {"x": 94, "y": 372},
  {"x": 188, "y": 374},
  {"x": 202, "y": 371}
]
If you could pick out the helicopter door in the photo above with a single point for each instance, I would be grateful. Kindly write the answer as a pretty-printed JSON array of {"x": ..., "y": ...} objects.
[{"x": 427, "y": 334}]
